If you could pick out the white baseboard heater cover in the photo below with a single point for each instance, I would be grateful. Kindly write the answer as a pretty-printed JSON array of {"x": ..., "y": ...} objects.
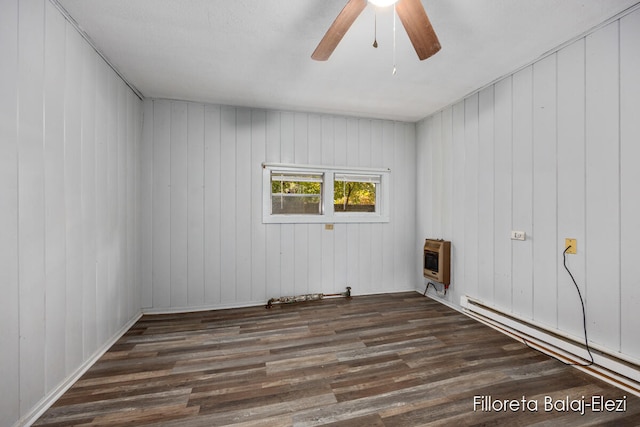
[{"x": 617, "y": 370}]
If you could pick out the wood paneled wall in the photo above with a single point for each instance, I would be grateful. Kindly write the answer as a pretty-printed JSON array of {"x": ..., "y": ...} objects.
[
  {"x": 203, "y": 240},
  {"x": 69, "y": 129},
  {"x": 551, "y": 150}
]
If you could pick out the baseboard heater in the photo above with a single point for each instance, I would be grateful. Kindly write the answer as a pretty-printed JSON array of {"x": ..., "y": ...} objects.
[{"x": 614, "y": 369}]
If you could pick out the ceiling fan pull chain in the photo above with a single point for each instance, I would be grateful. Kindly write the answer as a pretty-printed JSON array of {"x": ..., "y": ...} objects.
[
  {"x": 375, "y": 27},
  {"x": 394, "y": 40}
]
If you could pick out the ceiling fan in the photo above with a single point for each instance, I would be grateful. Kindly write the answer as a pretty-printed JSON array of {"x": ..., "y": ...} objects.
[{"x": 411, "y": 14}]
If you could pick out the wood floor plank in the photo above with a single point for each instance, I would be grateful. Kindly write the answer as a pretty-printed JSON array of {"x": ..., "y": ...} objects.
[{"x": 379, "y": 360}]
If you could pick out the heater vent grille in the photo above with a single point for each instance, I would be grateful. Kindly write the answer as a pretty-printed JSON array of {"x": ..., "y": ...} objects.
[{"x": 437, "y": 261}]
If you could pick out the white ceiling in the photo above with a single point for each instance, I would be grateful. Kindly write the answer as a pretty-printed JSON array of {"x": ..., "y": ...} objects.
[{"x": 256, "y": 53}]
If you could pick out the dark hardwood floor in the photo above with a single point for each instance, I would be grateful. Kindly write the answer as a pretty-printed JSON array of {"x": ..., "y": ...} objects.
[{"x": 384, "y": 360}]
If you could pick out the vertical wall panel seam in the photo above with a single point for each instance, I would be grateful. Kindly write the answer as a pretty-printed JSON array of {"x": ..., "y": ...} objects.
[
  {"x": 476, "y": 196},
  {"x": 319, "y": 243},
  {"x": 265, "y": 238},
  {"x": 533, "y": 183},
  {"x": 170, "y": 107},
  {"x": 64, "y": 180},
  {"x": 44, "y": 192},
  {"x": 585, "y": 164},
  {"x": 186, "y": 144},
  {"x": 19, "y": 391},
  {"x": 95, "y": 194},
  {"x": 252, "y": 204},
  {"x": 280, "y": 227},
  {"x": 512, "y": 182},
  {"x": 204, "y": 203},
  {"x": 453, "y": 194},
  {"x": 557, "y": 215},
  {"x": 493, "y": 194},
  {"x": 152, "y": 181},
  {"x": 620, "y": 304},
  {"x": 477, "y": 190},
  {"x": 235, "y": 202},
  {"x": 219, "y": 154},
  {"x": 308, "y": 225}
]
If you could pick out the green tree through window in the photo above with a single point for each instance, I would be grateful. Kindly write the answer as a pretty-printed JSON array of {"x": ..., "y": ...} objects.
[{"x": 355, "y": 193}]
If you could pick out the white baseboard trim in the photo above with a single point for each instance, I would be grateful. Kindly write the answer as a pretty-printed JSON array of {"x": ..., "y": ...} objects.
[
  {"x": 224, "y": 306},
  {"x": 51, "y": 397},
  {"x": 615, "y": 369},
  {"x": 208, "y": 307}
]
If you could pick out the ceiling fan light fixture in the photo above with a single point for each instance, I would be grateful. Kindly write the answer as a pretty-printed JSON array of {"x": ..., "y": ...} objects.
[
  {"x": 410, "y": 12},
  {"x": 383, "y": 3}
]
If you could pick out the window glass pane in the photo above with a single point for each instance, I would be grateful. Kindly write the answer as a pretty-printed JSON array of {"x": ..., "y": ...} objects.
[
  {"x": 355, "y": 193},
  {"x": 295, "y": 193}
]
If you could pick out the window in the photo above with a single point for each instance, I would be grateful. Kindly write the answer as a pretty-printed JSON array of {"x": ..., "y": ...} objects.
[
  {"x": 296, "y": 193},
  {"x": 320, "y": 194},
  {"x": 354, "y": 193}
]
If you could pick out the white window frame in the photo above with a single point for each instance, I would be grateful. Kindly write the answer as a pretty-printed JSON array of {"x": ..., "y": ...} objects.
[{"x": 328, "y": 215}]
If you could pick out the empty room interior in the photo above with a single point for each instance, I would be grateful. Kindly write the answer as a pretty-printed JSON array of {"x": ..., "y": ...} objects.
[{"x": 319, "y": 212}]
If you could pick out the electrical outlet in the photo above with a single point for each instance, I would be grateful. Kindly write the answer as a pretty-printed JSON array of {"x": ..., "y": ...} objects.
[
  {"x": 572, "y": 244},
  {"x": 518, "y": 235}
]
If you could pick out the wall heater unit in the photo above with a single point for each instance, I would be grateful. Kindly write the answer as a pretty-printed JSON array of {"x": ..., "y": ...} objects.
[{"x": 437, "y": 261}]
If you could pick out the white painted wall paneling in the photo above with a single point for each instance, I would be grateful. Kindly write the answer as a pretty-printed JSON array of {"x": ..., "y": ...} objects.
[
  {"x": 244, "y": 204},
  {"x": 327, "y": 257},
  {"x": 603, "y": 186},
  {"x": 145, "y": 203},
  {"x": 471, "y": 124},
  {"x": 522, "y": 210},
  {"x": 424, "y": 184},
  {"x": 178, "y": 196},
  {"x": 55, "y": 215},
  {"x": 486, "y": 198},
  {"x": 212, "y": 208},
  {"x": 315, "y": 231},
  {"x": 258, "y": 232},
  {"x": 447, "y": 166},
  {"x": 571, "y": 182},
  {"x": 160, "y": 215},
  {"x": 66, "y": 219},
  {"x": 299, "y": 261},
  {"x": 563, "y": 167},
  {"x": 227, "y": 201},
  {"x": 31, "y": 196},
  {"x": 9, "y": 266},
  {"x": 629, "y": 179},
  {"x": 546, "y": 246},
  {"x": 88, "y": 198},
  {"x": 245, "y": 261},
  {"x": 457, "y": 172},
  {"x": 503, "y": 187},
  {"x": 72, "y": 201},
  {"x": 195, "y": 197}
]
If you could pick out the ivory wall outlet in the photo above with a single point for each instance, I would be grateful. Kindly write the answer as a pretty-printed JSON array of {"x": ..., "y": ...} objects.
[
  {"x": 572, "y": 244},
  {"x": 518, "y": 235}
]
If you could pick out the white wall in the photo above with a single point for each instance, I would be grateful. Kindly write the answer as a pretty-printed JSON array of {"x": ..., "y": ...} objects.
[
  {"x": 68, "y": 133},
  {"x": 203, "y": 240},
  {"x": 551, "y": 150}
]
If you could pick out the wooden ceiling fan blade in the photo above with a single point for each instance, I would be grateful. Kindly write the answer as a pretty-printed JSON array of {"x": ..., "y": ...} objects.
[
  {"x": 418, "y": 27},
  {"x": 338, "y": 29}
]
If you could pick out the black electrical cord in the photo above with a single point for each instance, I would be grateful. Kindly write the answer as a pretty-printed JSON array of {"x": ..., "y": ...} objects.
[
  {"x": 584, "y": 314},
  {"x": 427, "y": 288},
  {"x": 584, "y": 319}
]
